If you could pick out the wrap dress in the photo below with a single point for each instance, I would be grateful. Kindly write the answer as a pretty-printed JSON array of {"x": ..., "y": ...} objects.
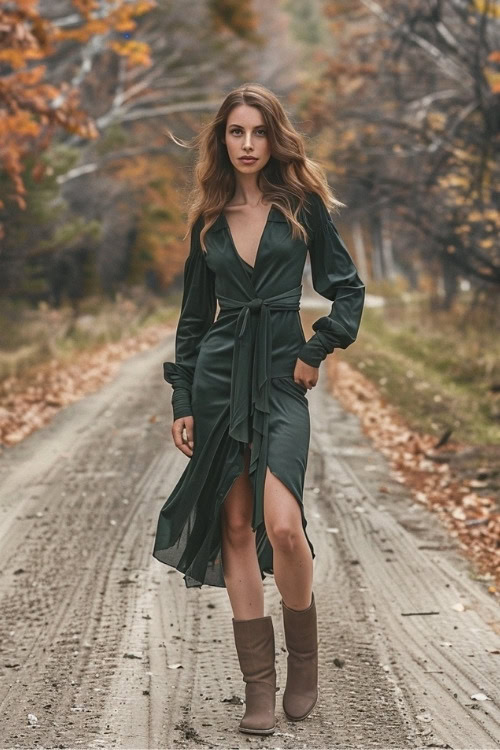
[{"x": 234, "y": 374}]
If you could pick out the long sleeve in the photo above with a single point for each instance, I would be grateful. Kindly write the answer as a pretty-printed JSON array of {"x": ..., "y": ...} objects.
[
  {"x": 197, "y": 314},
  {"x": 335, "y": 277}
]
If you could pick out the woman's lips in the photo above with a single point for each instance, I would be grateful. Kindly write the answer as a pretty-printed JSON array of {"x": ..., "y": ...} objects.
[{"x": 247, "y": 160}]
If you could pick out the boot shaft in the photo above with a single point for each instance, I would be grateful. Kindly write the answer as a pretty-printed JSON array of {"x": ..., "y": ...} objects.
[
  {"x": 301, "y": 630},
  {"x": 255, "y": 646}
]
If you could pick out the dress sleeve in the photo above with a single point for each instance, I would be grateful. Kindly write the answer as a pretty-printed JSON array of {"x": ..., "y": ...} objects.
[
  {"x": 197, "y": 314},
  {"x": 335, "y": 277}
]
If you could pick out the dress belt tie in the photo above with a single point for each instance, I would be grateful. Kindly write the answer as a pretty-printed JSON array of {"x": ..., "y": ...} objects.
[{"x": 251, "y": 381}]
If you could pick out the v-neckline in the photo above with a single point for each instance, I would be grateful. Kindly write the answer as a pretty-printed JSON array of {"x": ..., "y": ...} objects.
[{"x": 240, "y": 258}]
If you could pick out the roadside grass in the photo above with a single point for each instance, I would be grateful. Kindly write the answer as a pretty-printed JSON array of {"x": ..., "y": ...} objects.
[
  {"x": 29, "y": 337},
  {"x": 440, "y": 369}
]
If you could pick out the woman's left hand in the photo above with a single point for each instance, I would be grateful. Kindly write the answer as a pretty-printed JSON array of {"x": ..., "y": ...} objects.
[{"x": 305, "y": 374}]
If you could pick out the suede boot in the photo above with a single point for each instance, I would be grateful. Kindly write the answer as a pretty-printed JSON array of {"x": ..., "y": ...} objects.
[
  {"x": 301, "y": 636},
  {"x": 254, "y": 641}
]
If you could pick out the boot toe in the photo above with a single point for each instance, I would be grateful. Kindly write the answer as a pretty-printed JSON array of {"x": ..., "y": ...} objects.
[
  {"x": 259, "y": 716},
  {"x": 256, "y": 726},
  {"x": 298, "y": 706}
]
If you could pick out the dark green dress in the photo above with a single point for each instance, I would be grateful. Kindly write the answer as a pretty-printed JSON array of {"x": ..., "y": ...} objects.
[{"x": 234, "y": 375}]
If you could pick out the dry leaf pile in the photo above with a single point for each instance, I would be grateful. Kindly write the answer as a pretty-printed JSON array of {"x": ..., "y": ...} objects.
[
  {"x": 30, "y": 401},
  {"x": 470, "y": 515}
]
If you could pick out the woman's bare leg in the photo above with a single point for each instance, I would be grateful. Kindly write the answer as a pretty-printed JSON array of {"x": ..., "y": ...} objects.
[
  {"x": 292, "y": 558},
  {"x": 239, "y": 555}
]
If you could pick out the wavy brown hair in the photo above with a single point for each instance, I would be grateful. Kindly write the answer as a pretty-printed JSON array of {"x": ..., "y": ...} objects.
[{"x": 284, "y": 181}]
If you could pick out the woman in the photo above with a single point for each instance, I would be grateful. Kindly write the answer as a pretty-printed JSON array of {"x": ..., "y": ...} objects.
[{"x": 240, "y": 381}]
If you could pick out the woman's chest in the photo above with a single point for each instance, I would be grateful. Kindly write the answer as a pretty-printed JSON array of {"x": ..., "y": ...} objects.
[{"x": 279, "y": 258}]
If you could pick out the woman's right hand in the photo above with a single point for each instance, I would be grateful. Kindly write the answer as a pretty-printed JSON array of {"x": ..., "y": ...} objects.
[{"x": 184, "y": 444}]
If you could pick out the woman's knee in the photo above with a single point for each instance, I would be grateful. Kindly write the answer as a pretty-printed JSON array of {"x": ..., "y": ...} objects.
[
  {"x": 237, "y": 528},
  {"x": 283, "y": 535},
  {"x": 282, "y": 515}
]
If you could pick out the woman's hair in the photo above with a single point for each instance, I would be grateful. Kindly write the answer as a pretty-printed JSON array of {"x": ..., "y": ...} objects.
[{"x": 284, "y": 181}]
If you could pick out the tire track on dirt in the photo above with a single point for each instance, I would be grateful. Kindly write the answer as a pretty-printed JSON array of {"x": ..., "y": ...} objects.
[{"x": 63, "y": 588}]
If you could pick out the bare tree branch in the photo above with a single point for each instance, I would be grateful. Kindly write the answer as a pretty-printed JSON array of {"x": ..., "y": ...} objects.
[{"x": 450, "y": 67}]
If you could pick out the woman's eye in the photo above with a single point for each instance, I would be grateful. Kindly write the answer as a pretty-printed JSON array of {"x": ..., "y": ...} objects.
[{"x": 238, "y": 130}]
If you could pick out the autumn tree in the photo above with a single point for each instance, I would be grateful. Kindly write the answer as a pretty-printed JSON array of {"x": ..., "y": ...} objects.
[
  {"x": 413, "y": 111},
  {"x": 33, "y": 107}
]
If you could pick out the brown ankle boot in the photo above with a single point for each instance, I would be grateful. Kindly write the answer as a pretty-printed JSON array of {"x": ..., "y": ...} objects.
[
  {"x": 254, "y": 641},
  {"x": 301, "y": 636}
]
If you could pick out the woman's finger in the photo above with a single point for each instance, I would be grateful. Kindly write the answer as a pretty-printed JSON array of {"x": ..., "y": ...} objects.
[
  {"x": 177, "y": 430},
  {"x": 190, "y": 433}
]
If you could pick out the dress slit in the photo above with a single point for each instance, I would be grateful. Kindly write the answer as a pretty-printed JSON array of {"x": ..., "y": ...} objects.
[{"x": 263, "y": 546}]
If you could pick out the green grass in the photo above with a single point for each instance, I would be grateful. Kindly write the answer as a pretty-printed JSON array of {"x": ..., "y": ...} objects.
[{"x": 437, "y": 368}]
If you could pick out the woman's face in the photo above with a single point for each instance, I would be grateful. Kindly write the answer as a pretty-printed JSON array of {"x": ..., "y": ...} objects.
[{"x": 246, "y": 135}]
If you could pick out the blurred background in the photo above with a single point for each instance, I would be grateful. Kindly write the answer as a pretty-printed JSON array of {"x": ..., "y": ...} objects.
[{"x": 400, "y": 101}]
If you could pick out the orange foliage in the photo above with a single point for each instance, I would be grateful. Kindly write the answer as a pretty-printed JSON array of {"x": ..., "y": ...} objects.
[{"x": 30, "y": 107}]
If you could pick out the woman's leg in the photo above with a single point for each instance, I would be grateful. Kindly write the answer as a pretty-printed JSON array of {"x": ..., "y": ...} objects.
[
  {"x": 293, "y": 572},
  {"x": 239, "y": 555},
  {"x": 292, "y": 559},
  {"x": 253, "y": 633}
]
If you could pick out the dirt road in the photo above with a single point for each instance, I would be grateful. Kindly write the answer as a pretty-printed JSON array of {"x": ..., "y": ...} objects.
[{"x": 103, "y": 646}]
